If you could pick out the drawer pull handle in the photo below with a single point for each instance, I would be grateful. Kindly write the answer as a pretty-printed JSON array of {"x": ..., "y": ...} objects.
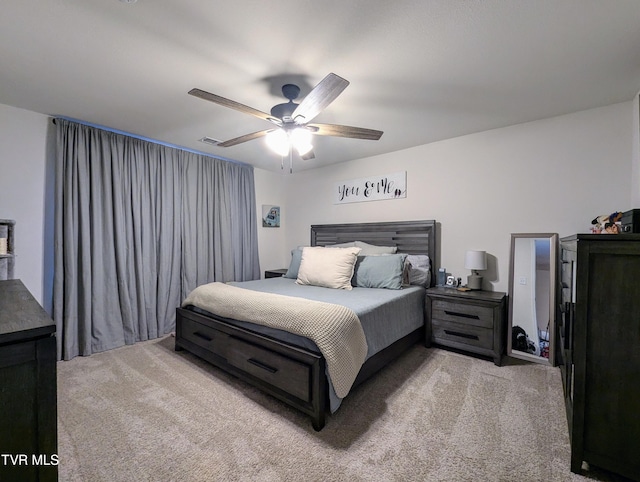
[
  {"x": 463, "y": 315},
  {"x": 202, "y": 335},
  {"x": 463, "y": 335},
  {"x": 259, "y": 364}
]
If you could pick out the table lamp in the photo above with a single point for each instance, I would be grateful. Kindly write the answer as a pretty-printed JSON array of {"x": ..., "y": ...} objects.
[{"x": 475, "y": 261}]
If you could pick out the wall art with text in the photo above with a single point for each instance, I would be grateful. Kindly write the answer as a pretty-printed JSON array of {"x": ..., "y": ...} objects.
[{"x": 372, "y": 188}]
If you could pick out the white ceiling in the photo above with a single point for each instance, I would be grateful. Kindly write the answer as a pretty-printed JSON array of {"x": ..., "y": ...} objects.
[{"x": 420, "y": 70}]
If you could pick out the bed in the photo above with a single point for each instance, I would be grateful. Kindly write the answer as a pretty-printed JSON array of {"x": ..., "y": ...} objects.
[{"x": 291, "y": 367}]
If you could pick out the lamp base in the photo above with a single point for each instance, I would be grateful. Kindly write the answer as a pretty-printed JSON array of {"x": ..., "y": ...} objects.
[{"x": 474, "y": 282}]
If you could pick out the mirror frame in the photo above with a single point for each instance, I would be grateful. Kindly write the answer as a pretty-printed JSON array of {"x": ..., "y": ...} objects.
[{"x": 553, "y": 265}]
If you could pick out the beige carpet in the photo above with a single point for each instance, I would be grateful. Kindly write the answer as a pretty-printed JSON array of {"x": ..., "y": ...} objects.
[{"x": 147, "y": 413}]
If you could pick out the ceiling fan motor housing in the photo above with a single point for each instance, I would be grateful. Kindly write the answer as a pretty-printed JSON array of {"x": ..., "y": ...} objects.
[
  {"x": 284, "y": 111},
  {"x": 290, "y": 91}
]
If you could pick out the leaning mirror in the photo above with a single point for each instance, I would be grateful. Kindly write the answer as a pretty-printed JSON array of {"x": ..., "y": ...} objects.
[{"x": 532, "y": 287}]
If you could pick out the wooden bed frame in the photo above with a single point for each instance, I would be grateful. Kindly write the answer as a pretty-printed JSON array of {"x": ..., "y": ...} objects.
[{"x": 291, "y": 374}]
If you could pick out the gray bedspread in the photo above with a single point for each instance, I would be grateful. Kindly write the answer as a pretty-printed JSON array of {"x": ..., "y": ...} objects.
[{"x": 385, "y": 315}]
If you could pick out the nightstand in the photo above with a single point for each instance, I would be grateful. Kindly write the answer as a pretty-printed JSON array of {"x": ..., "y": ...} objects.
[
  {"x": 275, "y": 273},
  {"x": 473, "y": 321}
]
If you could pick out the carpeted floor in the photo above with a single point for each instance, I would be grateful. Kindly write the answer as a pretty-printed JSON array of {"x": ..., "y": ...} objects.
[{"x": 147, "y": 413}]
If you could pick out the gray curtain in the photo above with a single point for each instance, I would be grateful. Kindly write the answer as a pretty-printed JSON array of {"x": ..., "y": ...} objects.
[{"x": 138, "y": 225}]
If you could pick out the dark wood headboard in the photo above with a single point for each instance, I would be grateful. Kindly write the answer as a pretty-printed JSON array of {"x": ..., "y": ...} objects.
[{"x": 411, "y": 237}]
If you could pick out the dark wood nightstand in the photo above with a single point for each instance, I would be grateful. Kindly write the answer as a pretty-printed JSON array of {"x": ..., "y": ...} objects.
[
  {"x": 275, "y": 273},
  {"x": 473, "y": 321}
]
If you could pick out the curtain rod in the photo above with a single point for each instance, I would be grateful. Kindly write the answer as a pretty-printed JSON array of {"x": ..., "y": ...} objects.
[{"x": 148, "y": 139}]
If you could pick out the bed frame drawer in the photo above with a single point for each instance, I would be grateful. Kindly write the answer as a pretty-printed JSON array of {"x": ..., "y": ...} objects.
[
  {"x": 471, "y": 315},
  {"x": 204, "y": 336},
  {"x": 294, "y": 375},
  {"x": 279, "y": 370}
]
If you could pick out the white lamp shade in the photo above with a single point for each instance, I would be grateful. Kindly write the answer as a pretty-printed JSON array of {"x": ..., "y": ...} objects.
[
  {"x": 278, "y": 141},
  {"x": 475, "y": 260},
  {"x": 301, "y": 139}
]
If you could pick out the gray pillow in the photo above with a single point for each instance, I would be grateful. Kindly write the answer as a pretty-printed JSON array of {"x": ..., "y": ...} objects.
[
  {"x": 419, "y": 270},
  {"x": 294, "y": 265},
  {"x": 350, "y": 244},
  {"x": 371, "y": 249},
  {"x": 379, "y": 271}
]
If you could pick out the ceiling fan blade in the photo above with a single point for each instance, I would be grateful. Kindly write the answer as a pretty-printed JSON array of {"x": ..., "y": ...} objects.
[
  {"x": 319, "y": 98},
  {"x": 247, "y": 137},
  {"x": 345, "y": 131},
  {"x": 216, "y": 99},
  {"x": 308, "y": 156}
]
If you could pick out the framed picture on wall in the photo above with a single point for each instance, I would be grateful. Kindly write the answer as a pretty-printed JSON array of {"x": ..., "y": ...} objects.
[{"x": 270, "y": 216}]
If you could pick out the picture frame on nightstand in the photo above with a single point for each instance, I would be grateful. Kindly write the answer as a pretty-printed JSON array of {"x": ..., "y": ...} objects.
[{"x": 275, "y": 273}]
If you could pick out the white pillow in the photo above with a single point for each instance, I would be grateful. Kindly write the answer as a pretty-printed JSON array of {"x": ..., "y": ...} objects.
[{"x": 330, "y": 268}]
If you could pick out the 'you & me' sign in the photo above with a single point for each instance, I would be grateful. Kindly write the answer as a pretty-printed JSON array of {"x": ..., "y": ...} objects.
[{"x": 374, "y": 188}]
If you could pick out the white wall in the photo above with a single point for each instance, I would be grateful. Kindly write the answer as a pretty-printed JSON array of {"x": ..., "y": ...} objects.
[
  {"x": 270, "y": 189},
  {"x": 23, "y": 151},
  {"x": 553, "y": 175}
]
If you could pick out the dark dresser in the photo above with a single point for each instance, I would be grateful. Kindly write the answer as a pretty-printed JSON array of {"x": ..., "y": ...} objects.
[
  {"x": 28, "y": 408},
  {"x": 599, "y": 349}
]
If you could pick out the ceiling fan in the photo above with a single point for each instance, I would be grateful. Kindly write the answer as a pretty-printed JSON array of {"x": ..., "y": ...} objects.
[{"x": 291, "y": 121}]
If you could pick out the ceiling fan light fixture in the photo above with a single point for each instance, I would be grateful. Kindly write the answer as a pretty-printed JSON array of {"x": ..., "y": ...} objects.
[
  {"x": 281, "y": 141},
  {"x": 303, "y": 149},
  {"x": 301, "y": 140},
  {"x": 300, "y": 135},
  {"x": 278, "y": 141}
]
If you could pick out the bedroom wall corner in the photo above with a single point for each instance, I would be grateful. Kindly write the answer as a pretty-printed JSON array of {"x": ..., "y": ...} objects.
[
  {"x": 23, "y": 153},
  {"x": 270, "y": 190}
]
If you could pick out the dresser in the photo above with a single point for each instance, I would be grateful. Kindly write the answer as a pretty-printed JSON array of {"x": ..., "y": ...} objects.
[
  {"x": 599, "y": 349},
  {"x": 472, "y": 321},
  {"x": 28, "y": 406}
]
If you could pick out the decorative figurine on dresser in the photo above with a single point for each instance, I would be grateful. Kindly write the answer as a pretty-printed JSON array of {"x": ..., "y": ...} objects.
[
  {"x": 7, "y": 255},
  {"x": 472, "y": 321},
  {"x": 598, "y": 350},
  {"x": 28, "y": 405}
]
